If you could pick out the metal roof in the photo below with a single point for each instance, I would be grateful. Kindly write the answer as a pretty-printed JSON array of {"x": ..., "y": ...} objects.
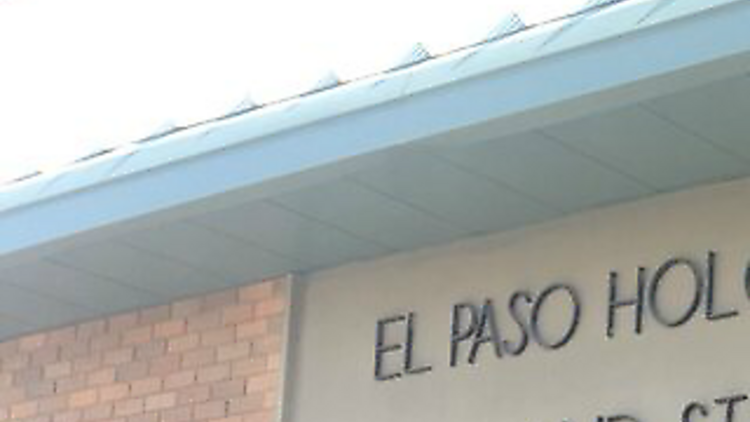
[
  {"x": 508, "y": 26},
  {"x": 613, "y": 104}
]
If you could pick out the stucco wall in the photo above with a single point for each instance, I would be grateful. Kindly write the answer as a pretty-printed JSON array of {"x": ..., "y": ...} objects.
[
  {"x": 652, "y": 376},
  {"x": 210, "y": 358}
]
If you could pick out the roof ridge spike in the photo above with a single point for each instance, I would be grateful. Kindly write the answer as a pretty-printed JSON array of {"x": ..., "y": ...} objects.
[
  {"x": 417, "y": 54},
  {"x": 509, "y": 25},
  {"x": 590, "y": 7},
  {"x": 246, "y": 105},
  {"x": 167, "y": 128},
  {"x": 327, "y": 81}
]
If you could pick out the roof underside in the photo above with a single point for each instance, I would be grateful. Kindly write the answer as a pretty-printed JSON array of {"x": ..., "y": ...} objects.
[{"x": 639, "y": 99}]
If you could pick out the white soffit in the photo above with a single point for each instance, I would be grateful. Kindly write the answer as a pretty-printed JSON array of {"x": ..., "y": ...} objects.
[{"x": 623, "y": 102}]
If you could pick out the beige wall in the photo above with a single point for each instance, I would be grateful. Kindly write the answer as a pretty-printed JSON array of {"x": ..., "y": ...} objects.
[{"x": 651, "y": 376}]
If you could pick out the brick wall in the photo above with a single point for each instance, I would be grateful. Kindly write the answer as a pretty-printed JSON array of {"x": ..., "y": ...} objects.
[{"x": 211, "y": 358}]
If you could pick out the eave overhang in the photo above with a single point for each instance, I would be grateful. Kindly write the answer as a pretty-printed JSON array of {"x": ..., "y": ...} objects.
[{"x": 496, "y": 137}]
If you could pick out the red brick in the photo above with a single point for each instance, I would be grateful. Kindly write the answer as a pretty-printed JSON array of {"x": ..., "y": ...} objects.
[
  {"x": 128, "y": 407},
  {"x": 6, "y": 380},
  {"x": 237, "y": 314},
  {"x": 249, "y": 366},
  {"x": 91, "y": 329},
  {"x": 39, "y": 389},
  {"x": 183, "y": 343},
  {"x": 114, "y": 392},
  {"x": 138, "y": 335},
  {"x": 15, "y": 362},
  {"x": 228, "y": 389},
  {"x": 272, "y": 306},
  {"x": 145, "y": 386},
  {"x": 45, "y": 355},
  {"x": 217, "y": 337},
  {"x": 246, "y": 404},
  {"x": 179, "y": 379},
  {"x": 165, "y": 365},
  {"x": 70, "y": 351},
  {"x": 146, "y": 417},
  {"x": 276, "y": 324},
  {"x": 87, "y": 363},
  {"x": 203, "y": 321},
  {"x": 69, "y": 416},
  {"x": 24, "y": 410},
  {"x": 220, "y": 299},
  {"x": 12, "y": 396},
  {"x": 271, "y": 399},
  {"x": 267, "y": 344},
  {"x": 83, "y": 398},
  {"x": 118, "y": 356},
  {"x": 28, "y": 375},
  {"x": 233, "y": 351},
  {"x": 150, "y": 350},
  {"x": 8, "y": 348},
  {"x": 170, "y": 328},
  {"x": 53, "y": 404},
  {"x": 57, "y": 370},
  {"x": 122, "y": 322},
  {"x": 187, "y": 307},
  {"x": 210, "y": 410},
  {"x": 155, "y": 314},
  {"x": 101, "y": 377},
  {"x": 198, "y": 357},
  {"x": 190, "y": 361},
  {"x": 256, "y": 292},
  {"x": 228, "y": 419},
  {"x": 161, "y": 401},
  {"x": 252, "y": 329},
  {"x": 105, "y": 342},
  {"x": 194, "y": 394},
  {"x": 180, "y": 414},
  {"x": 274, "y": 361},
  {"x": 131, "y": 371},
  {"x": 262, "y": 382},
  {"x": 64, "y": 335},
  {"x": 69, "y": 384},
  {"x": 98, "y": 412},
  {"x": 31, "y": 342},
  {"x": 263, "y": 416},
  {"x": 213, "y": 373}
]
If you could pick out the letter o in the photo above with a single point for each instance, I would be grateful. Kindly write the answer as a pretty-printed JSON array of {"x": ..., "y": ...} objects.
[
  {"x": 536, "y": 309},
  {"x": 656, "y": 282}
]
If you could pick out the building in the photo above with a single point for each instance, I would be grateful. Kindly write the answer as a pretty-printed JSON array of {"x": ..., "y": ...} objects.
[{"x": 548, "y": 226}]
